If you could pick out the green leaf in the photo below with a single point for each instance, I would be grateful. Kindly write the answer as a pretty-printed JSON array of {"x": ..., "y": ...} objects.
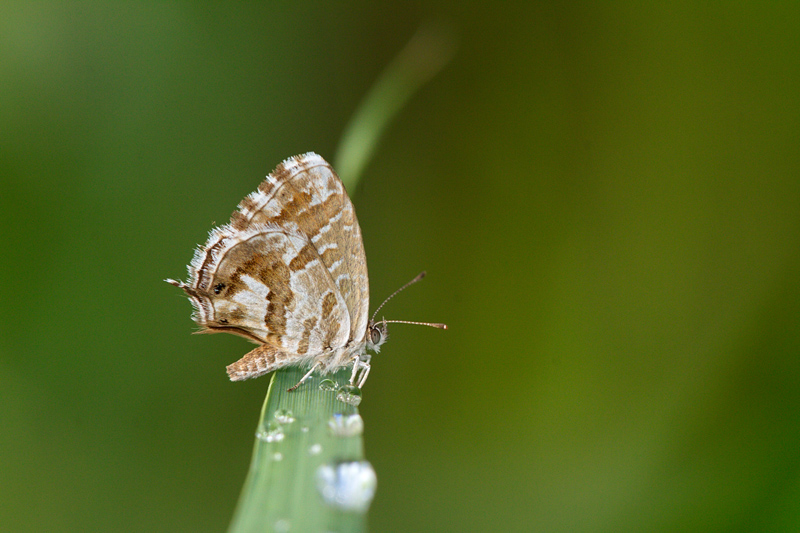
[{"x": 308, "y": 471}]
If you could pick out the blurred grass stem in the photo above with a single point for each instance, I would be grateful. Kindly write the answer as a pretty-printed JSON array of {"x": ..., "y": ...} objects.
[{"x": 425, "y": 55}]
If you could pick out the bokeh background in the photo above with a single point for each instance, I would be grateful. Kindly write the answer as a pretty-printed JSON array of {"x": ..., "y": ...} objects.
[{"x": 606, "y": 199}]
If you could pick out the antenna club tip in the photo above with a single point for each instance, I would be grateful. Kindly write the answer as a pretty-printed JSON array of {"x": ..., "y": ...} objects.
[{"x": 420, "y": 276}]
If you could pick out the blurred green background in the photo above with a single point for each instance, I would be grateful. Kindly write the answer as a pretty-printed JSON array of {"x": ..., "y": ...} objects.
[{"x": 606, "y": 199}]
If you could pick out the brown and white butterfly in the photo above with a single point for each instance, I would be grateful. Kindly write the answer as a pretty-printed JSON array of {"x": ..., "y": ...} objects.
[{"x": 289, "y": 273}]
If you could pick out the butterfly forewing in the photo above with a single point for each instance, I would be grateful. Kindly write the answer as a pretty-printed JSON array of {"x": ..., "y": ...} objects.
[{"x": 305, "y": 195}]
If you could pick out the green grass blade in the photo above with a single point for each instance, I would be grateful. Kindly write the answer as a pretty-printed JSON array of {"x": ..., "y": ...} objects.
[{"x": 302, "y": 436}]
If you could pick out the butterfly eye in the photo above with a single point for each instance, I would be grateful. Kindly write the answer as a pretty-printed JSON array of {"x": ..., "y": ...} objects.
[
  {"x": 218, "y": 288},
  {"x": 375, "y": 336}
]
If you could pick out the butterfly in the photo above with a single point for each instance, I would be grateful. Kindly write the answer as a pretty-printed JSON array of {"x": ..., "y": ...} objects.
[{"x": 289, "y": 273}]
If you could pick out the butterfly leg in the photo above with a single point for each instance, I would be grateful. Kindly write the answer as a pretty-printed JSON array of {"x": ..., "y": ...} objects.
[
  {"x": 355, "y": 370},
  {"x": 360, "y": 363},
  {"x": 364, "y": 375},
  {"x": 290, "y": 389}
]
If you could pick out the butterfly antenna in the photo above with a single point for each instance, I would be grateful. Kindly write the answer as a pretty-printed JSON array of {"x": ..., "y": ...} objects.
[
  {"x": 413, "y": 281},
  {"x": 431, "y": 324}
]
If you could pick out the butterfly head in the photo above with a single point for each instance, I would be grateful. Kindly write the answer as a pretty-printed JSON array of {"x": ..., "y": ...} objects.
[{"x": 377, "y": 334}]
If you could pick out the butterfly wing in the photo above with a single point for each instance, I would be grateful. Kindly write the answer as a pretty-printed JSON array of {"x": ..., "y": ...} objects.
[{"x": 288, "y": 271}]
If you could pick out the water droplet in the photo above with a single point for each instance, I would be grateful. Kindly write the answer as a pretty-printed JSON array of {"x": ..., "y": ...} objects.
[
  {"x": 277, "y": 456},
  {"x": 349, "y": 486},
  {"x": 346, "y": 425},
  {"x": 304, "y": 429},
  {"x": 315, "y": 449},
  {"x": 328, "y": 385},
  {"x": 349, "y": 394},
  {"x": 281, "y": 526},
  {"x": 271, "y": 432},
  {"x": 284, "y": 416}
]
